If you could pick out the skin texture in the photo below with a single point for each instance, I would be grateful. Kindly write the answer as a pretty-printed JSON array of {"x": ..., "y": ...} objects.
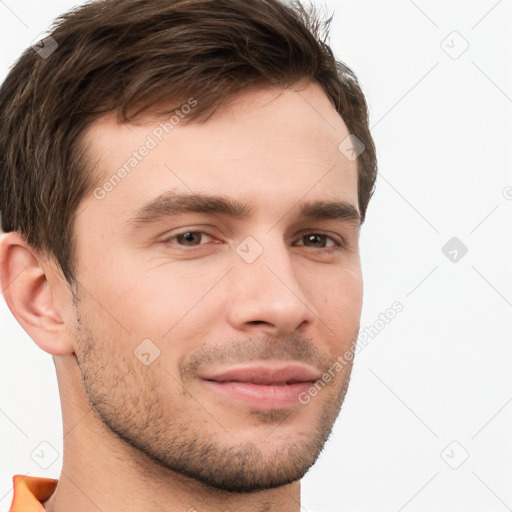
[{"x": 154, "y": 437}]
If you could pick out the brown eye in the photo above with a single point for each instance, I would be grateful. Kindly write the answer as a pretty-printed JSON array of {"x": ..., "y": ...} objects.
[
  {"x": 188, "y": 238},
  {"x": 318, "y": 240}
]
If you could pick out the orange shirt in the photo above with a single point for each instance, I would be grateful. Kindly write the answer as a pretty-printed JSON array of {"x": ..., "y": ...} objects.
[{"x": 30, "y": 491}]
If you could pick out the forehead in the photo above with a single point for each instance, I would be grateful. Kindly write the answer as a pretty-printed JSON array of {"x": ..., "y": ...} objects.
[{"x": 280, "y": 143}]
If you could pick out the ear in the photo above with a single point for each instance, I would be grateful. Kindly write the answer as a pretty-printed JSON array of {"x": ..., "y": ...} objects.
[{"x": 32, "y": 290}]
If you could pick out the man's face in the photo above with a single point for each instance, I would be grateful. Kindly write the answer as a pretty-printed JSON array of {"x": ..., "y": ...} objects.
[{"x": 199, "y": 333}]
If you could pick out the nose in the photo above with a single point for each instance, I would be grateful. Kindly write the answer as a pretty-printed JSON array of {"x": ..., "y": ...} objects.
[{"x": 267, "y": 295}]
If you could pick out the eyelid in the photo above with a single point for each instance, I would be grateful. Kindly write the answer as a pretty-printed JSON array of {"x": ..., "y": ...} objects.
[
  {"x": 337, "y": 239},
  {"x": 170, "y": 235}
]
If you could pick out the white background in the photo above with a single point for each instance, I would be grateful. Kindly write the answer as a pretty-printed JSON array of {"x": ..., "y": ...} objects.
[{"x": 434, "y": 386}]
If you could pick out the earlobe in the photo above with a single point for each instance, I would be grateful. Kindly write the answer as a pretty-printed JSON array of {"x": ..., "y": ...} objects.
[{"x": 29, "y": 295}]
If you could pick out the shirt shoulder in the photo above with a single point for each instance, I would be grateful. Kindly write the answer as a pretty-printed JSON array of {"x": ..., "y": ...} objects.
[{"x": 30, "y": 491}]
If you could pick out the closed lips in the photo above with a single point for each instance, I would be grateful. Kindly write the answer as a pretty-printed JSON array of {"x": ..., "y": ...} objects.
[{"x": 265, "y": 375}]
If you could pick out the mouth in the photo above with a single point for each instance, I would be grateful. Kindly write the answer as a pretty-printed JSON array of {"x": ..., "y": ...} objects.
[{"x": 262, "y": 386}]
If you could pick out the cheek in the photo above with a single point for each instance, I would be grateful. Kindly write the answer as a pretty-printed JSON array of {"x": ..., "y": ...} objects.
[
  {"x": 349, "y": 297},
  {"x": 337, "y": 286},
  {"x": 168, "y": 299},
  {"x": 338, "y": 305}
]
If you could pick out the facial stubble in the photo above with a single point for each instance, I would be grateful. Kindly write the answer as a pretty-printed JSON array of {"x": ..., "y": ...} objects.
[{"x": 128, "y": 399}]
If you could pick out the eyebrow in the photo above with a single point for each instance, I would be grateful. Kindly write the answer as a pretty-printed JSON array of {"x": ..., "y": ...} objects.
[{"x": 169, "y": 204}]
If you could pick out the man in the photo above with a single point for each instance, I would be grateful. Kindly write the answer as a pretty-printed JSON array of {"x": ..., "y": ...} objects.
[{"x": 183, "y": 186}]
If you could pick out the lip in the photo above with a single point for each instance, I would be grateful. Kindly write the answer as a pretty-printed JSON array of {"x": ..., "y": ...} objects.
[{"x": 261, "y": 386}]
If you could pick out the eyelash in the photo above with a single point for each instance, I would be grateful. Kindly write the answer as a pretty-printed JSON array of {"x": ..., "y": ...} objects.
[{"x": 336, "y": 242}]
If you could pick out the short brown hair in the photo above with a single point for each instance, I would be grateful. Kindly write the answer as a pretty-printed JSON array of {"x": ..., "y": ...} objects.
[{"x": 132, "y": 57}]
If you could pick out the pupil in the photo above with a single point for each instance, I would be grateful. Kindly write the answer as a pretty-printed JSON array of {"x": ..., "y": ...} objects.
[{"x": 189, "y": 236}]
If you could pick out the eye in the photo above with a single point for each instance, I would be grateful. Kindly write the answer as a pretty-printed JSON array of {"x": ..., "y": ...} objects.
[
  {"x": 318, "y": 240},
  {"x": 197, "y": 238},
  {"x": 188, "y": 238}
]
